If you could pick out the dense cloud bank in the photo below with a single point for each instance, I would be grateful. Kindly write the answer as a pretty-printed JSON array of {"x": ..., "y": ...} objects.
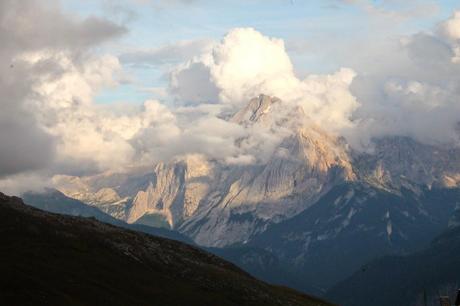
[
  {"x": 49, "y": 75},
  {"x": 412, "y": 88}
]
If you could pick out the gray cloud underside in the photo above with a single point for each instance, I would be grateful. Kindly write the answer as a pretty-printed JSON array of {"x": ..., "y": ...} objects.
[{"x": 25, "y": 26}]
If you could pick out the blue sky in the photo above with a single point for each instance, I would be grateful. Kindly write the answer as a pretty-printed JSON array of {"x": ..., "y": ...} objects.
[{"x": 314, "y": 32}]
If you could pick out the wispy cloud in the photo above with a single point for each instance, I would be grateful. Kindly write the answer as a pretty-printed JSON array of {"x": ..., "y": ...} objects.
[
  {"x": 172, "y": 53},
  {"x": 395, "y": 10}
]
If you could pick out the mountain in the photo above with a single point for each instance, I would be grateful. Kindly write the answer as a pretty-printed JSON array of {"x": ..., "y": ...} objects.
[
  {"x": 353, "y": 224},
  {"x": 312, "y": 201},
  {"x": 405, "y": 280},
  {"x": 54, "y": 260},
  {"x": 218, "y": 204}
]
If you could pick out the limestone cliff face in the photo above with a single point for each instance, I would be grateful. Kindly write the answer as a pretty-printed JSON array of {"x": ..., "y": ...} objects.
[{"x": 177, "y": 190}]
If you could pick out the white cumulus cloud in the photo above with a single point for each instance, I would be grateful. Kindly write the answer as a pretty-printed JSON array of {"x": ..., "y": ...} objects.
[{"x": 246, "y": 63}]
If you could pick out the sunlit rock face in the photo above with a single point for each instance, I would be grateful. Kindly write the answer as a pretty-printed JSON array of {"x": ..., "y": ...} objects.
[
  {"x": 402, "y": 161},
  {"x": 293, "y": 163},
  {"x": 177, "y": 191}
]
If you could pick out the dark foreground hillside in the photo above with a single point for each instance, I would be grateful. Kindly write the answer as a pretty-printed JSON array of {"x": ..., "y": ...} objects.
[
  {"x": 257, "y": 262},
  {"x": 49, "y": 259}
]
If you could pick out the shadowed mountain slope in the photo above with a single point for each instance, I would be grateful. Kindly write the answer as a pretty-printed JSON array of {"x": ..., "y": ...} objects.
[
  {"x": 405, "y": 280},
  {"x": 352, "y": 225}
]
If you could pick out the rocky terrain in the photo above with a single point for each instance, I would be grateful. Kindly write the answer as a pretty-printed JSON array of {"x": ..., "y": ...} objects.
[{"x": 50, "y": 259}]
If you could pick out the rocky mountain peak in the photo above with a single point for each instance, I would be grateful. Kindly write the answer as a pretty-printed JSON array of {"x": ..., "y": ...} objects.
[{"x": 255, "y": 110}]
